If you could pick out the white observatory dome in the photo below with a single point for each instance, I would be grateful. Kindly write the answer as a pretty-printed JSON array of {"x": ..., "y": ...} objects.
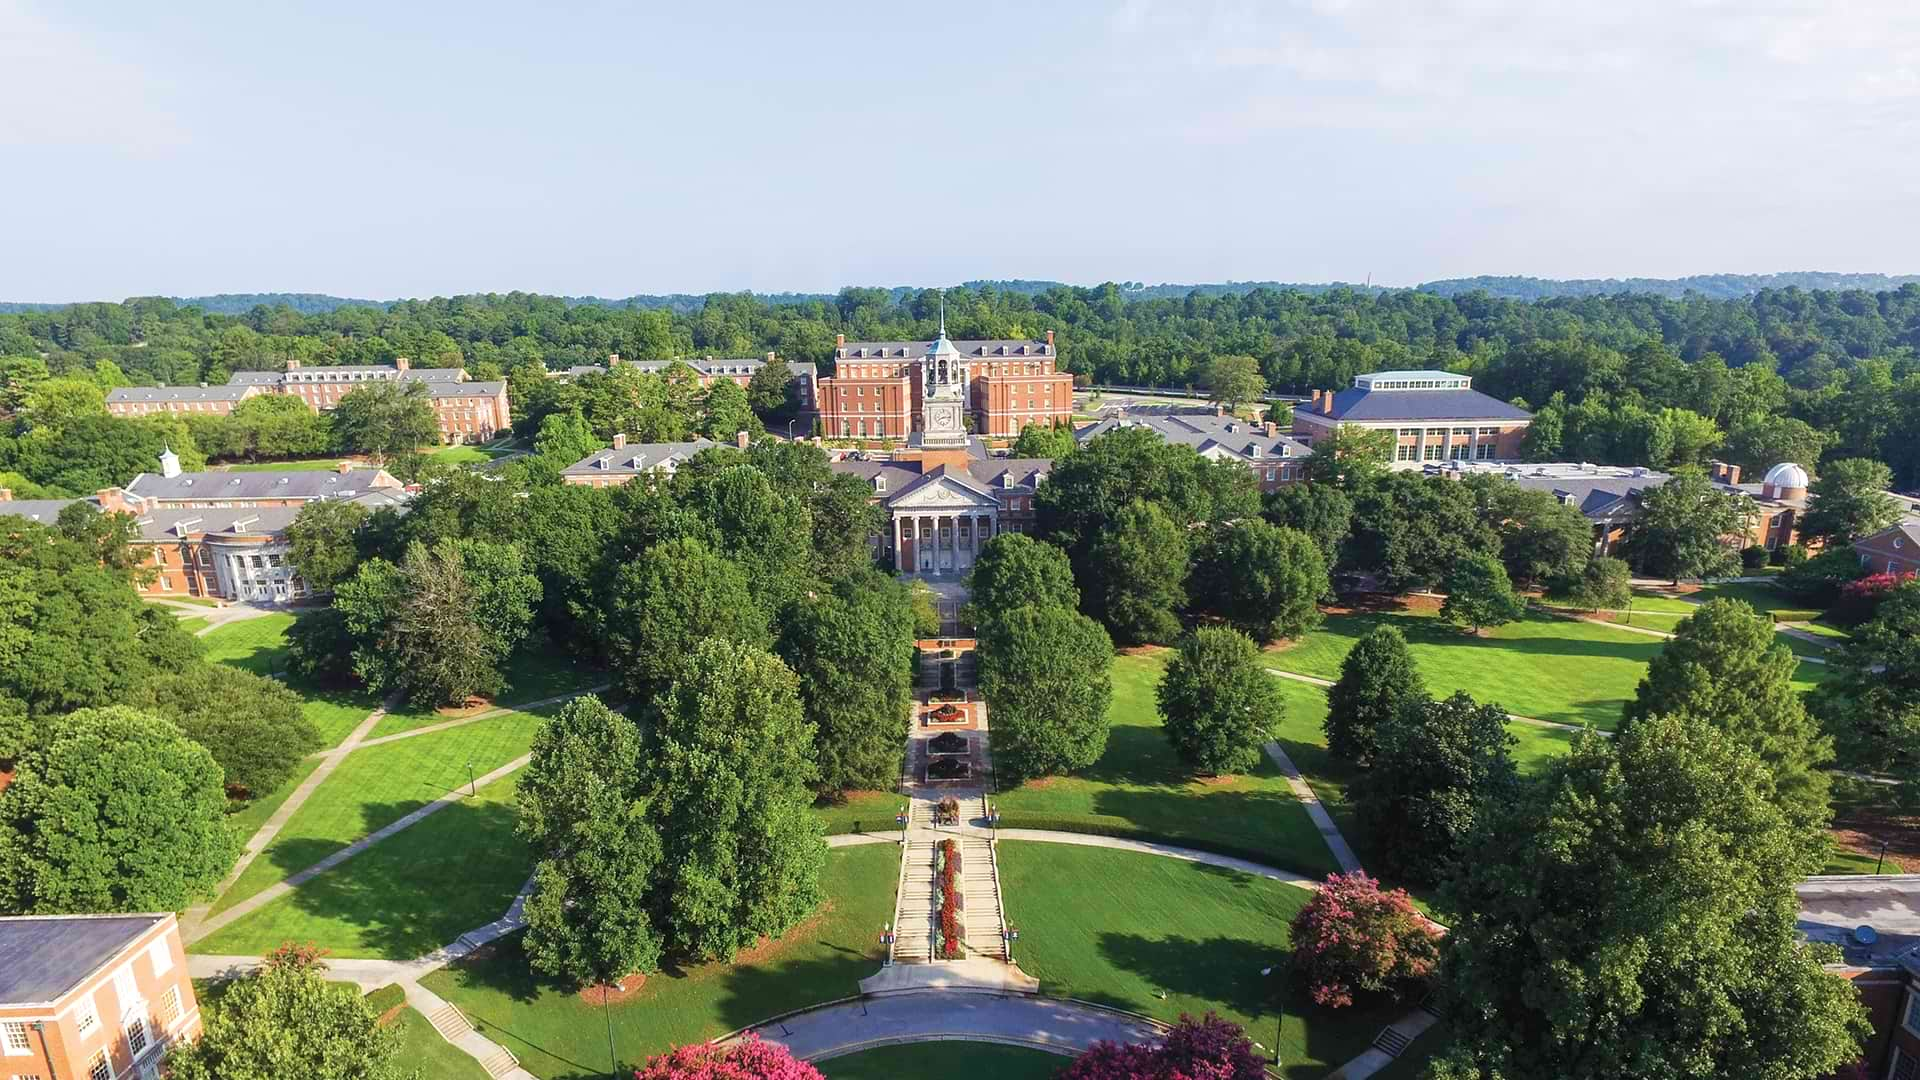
[{"x": 1787, "y": 475}]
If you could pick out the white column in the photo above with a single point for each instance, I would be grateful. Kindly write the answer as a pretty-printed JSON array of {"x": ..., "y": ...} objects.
[{"x": 893, "y": 526}]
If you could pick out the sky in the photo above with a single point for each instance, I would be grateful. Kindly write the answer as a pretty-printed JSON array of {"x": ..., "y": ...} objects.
[{"x": 423, "y": 148}]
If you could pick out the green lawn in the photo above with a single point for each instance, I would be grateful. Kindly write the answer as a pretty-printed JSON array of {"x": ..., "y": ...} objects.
[
  {"x": 861, "y": 811},
  {"x": 299, "y": 465},
  {"x": 405, "y": 896},
  {"x": 461, "y": 455},
  {"x": 196, "y": 601},
  {"x": 531, "y": 674},
  {"x": 1164, "y": 937},
  {"x": 1542, "y": 666},
  {"x": 193, "y": 624},
  {"x": 945, "y": 1061},
  {"x": 247, "y": 820},
  {"x": 374, "y": 787},
  {"x": 422, "y": 1048},
  {"x": 556, "y": 1034},
  {"x": 258, "y": 645},
  {"x": 1139, "y": 788},
  {"x": 1761, "y": 596}
]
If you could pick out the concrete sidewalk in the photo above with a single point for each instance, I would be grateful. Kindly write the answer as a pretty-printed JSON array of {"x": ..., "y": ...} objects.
[{"x": 1060, "y": 1027}]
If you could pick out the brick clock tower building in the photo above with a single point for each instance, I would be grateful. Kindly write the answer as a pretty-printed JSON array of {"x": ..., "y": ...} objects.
[{"x": 892, "y": 389}]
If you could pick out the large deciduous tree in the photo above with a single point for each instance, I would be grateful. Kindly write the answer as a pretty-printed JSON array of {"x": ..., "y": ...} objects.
[
  {"x": 1410, "y": 530},
  {"x": 1322, "y": 511},
  {"x": 386, "y": 418},
  {"x": 566, "y": 437},
  {"x": 1015, "y": 570},
  {"x": 678, "y": 593},
  {"x": 288, "y": 1020},
  {"x": 1683, "y": 528},
  {"x": 1218, "y": 705},
  {"x": 584, "y": 811},
  {"x": 1871, "y": 701},
  {"x": 733, "y": 772},
  {"x": 1377, "y": 680},
  {"x": 1479, "y": 595},
  {"x": 112, "y": 809},
  {"x": 1043, "y": 441},
  {"x": 1435, "y": 763},
  {"x": 1044, "y": 671},
  {"x": 256, "y": 729},
  {"x": 853, "y": 649},
  {"x": 1849, "y": 501},
  {"x": 1139, "y": 567},
  {"x": 1263, "y": 579},
  {"x": 1605, "y": 583},
  {"x": 725, "y": 412},
  {"x": 322, "y": 542},
  {"x": 1575, "y": 899},
  {"x": 1541, "y": 538},
  {"x": 1352, "y": 457},
  {"x": 1233, "y": 381},
  {"x": 1726, "y": 667}
]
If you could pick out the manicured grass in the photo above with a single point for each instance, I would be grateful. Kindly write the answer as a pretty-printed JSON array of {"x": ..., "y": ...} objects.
[
  {"x": 1759, "y": 595},
  {"x": 298, "y": 465},
  {"x": 196, "y": 601},
  {"x": 556, "y": 1034},
  {"x": 1542, "y": 666},
  {"x": 461, "y": 455},
  {"x": 247, "y": 820},
  {"x": 258, "y": 645},
  {"x": 1139, "y": 788},
  {"x": 861, "y": 811},
  {"x": 945, "y": 1061},
  {"x": 423, "y": 1049},
  {"x": 374, "y": 787},
  {"x": 407, "y": 895},
  {"x": 531, "y": 674},
  {"x": 1163, "y": 937},
  {"x": 193, "y": 624},
  {"x": 1842, "y": 861}
]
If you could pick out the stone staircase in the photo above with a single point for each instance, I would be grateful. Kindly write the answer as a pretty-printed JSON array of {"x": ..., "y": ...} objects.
[
  {"x": 917, "y": 912},
  {"x": 453, "y": 1027}
]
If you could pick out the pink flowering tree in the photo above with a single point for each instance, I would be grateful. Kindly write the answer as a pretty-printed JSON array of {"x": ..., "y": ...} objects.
[
  {"x": 1353, "y": 937},
  {"x": 749, "y": 1059},
  {"x": 1206, "y": 1049}
]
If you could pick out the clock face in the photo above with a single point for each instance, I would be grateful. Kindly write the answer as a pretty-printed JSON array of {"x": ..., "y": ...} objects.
[{"x": 943, "y": 418}]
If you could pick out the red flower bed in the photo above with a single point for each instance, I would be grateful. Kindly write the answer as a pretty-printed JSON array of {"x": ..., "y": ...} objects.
[{"x": 950, "y": 929}]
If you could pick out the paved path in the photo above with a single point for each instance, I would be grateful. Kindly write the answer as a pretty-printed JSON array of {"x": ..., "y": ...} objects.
[
  {"x": 274, "y": 892},
  {"x": 1061, "y": 1027},
  {"x": 1342, "y": 852},
  {"x": 192, "y": 920},
  {"x": 488, "y": 714}
]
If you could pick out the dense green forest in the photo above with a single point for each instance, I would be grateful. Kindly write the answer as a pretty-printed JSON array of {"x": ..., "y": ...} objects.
[{"x": 1842, "y": 363}]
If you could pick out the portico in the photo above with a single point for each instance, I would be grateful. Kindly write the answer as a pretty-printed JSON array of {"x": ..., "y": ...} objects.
[{"x": 940, "y": 522}]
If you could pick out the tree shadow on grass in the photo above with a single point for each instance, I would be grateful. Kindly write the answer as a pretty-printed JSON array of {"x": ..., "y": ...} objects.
[{"x": 1267, "y": 825}]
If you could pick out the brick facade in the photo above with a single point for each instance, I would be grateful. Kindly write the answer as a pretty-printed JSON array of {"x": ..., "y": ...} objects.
[
  {"x": 115, "y": 1018},
  {"x": 878, "y": 388}
]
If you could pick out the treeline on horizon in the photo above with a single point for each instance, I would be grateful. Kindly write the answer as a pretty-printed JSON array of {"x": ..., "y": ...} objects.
[{"x": 1843, "y": 363}]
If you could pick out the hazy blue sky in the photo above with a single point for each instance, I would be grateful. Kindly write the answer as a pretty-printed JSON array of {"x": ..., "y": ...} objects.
[{"x": 416, "y": 148}]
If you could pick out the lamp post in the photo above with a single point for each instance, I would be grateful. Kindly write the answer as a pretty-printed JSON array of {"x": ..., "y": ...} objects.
[
  {"x": 606, "y": 1011},
  {"x": 886, "y": 939},
  {"x": 472, "y": 791},
  {"x": 1011, "y": 934},
  {"x": 1283, "y": 969},
  {"x": 790, "y": 424}
]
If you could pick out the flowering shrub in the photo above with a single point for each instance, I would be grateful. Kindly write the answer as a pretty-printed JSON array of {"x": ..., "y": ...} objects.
[
  {"x": 749, "y": 1059},
  {"x": 1860, "y": 600},
  {"x": 1209, "y": 1049},
  {"x": 1351, "y": 936},
  {"x": 950, "y": 929}
]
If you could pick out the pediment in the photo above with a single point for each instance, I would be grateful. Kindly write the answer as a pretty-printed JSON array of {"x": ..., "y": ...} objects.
[{"x": 943, "y": 493}]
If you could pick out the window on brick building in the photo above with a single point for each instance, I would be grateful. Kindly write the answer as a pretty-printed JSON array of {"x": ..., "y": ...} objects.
[
  {"x": 98, "y": 1068},
  {"x": 136, "y": 1035},
  {"x": 14, "y": 1039},
  {"x": 1484, "y": 451}
]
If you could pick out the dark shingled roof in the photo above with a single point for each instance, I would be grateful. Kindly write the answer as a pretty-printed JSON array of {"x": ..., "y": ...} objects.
[
  {"x": 292, "y": 484},
  {"x": 44, "y": 956},
  {"x": 1354, "y": 404},
  {"x": 43, "y": 511},
  {"x": 223, "y": 392}
]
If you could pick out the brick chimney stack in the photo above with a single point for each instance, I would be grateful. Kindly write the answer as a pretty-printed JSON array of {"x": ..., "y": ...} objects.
[
  {"x": 620, "y": 440},
  {"x": 6, "y": 494},
  {"x": 742, "y": 439},
  {"x": 1272, "y": 429},
  {"x": 613, "y": 359},
  {"x": 1049, "y": 339},
  {"x": 400, "y": 362},
  {"x": 771, "y": 357},
  {"x": 112, "y": 500},
  {"x": 293, "y": 365},
  {"x": 839, "y": 341},
  {"x": 343, "y": 468}
]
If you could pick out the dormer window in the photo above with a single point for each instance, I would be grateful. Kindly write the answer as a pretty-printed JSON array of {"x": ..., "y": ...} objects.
[
  {"x": 879, "y": 485},
  {"x": 1006, "y": 479}
]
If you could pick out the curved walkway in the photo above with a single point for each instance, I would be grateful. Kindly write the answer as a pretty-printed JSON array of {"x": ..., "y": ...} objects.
[
  {"x": 1327, "y": 684},
  {"x": 1060, "y": 1027},
  {"x": 1170, "y": 851}
]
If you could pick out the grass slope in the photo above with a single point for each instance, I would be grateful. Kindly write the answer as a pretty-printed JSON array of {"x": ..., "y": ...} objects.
[
  {"x": 374, "y": 787},
  {"x": 1139, "y": 788},
  {"x": 945, "y": 1061},
  {"x": 405, "y": 896},
  {"x": 532, "y": 674},
  {"x": 423, "y": 1049},
  {"x": 1164, "y": 937},
  {"x": 556, "y": 1034}
]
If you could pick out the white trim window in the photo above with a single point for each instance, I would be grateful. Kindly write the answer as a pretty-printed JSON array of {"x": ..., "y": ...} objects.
[
  {"x": 170, "y": 1006},
  {"x": 99, "y": 1068},
  {"x": 1903, "y": 1066},
  {"x": 14, "y": 1038},
  {"x": 87, "y": 1018}
]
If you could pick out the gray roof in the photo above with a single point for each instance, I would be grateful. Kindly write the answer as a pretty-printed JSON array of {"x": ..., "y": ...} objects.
[
  {"x": 242, "y": 521},
  {"x": 224, "y": 392},
  {"x": 43, "y": 511},
  {"x": 1354, "y": 404},
  {"x": 292, "y": 484},
  {"x": 1608, "y": 493},
  {"x": 433, "y": 374},
  {"x": 1832, "y": 907},
  {"x": 636, "y": 458},
  {"x": 982, "y": 348},
  {"x": 986, "y": 476},
  {"x": 440, "y": 388},
  {"x": 256, "y": 378},
  {"x": 1205, "y": 431},
  {"x": 1907, "y": 530},
  {"x": 44, "y": 956},
  {"x": 706, "y": 365}
]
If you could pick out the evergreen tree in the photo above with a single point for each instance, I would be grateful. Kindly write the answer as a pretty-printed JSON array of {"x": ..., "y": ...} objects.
[
  {"x": 1265, "y": 580},
  {"x": 584, "y": 811},
  {"x": 732, "y": 770},
  {"x": 1726, "y": 667},
  {"x": 1377, "y": 680},
  {"x": 1218, "y": 705},
  {"x": 1044, "y": 670}
]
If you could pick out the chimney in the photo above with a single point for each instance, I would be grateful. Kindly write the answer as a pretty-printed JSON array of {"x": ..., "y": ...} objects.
[
  {"x": 1272, "y": 429},
  {"x": 1219, "y": 410},
  {"x": 771, "y": 357},
  {"x": 343, "y": 468},
  {"x": 400, "y": 363},
  {"x": 111, "y": 500},
  {"x": 839, "y": 341},
  {"x": 619, "y": 437},
  {"x": 6, "y": 494},
  {"x": 1326, "y": 403},
  {"x": 1049, "y": 339},
  {"x": 613, "y": 359},
  {"x": 293, "y": 365},
  {"x": 742, "y": 439}
]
